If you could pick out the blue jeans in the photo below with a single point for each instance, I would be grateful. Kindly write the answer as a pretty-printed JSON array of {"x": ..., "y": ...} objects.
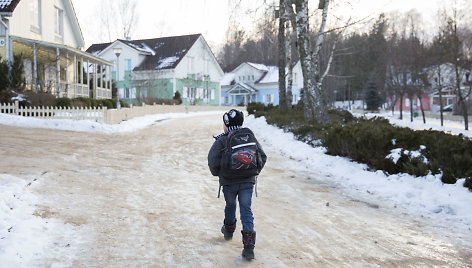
[{"x": 244, "y": 193}]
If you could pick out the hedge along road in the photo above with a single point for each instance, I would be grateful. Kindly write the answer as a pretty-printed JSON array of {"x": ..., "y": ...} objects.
[{"x": 147, "y": 199}]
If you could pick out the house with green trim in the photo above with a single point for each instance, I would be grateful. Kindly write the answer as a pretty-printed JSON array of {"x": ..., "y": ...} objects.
[{"x": 160, "y": 67}]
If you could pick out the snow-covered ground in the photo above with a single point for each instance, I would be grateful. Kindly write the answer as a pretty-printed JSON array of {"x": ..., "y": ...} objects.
[
  {"x": 27, "y": 238},
  {"x": 448, "y": 205},
  {"x": 449, "y": 126},
  {"x": 91, "y": 126},
  {"x": 425, "y": 196}
]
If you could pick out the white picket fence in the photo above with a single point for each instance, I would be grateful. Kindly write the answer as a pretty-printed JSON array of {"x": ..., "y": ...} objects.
[{"x": 74, "y": 113}]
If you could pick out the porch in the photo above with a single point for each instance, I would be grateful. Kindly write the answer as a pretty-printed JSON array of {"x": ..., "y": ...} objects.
[
  {"x": 240, "y": 94},
  {"x": 62, "y": 70}
]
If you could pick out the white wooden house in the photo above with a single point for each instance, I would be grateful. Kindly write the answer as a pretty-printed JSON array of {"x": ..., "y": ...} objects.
[
  {"x": 48, "y": 36},
  {"x": 444, "y": 77},
  {"x": 253, "y": 82},
  {"x": 159, "y": 67}
]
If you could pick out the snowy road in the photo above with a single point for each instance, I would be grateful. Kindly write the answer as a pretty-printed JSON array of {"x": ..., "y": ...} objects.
[{"x": 146, "y": 199}]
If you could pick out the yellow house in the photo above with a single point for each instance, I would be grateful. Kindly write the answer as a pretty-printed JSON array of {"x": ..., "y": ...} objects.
[{"x": 48, "y": 36}]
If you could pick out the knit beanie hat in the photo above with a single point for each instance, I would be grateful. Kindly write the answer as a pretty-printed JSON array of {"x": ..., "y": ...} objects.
[{"x": 233, "y": 118}]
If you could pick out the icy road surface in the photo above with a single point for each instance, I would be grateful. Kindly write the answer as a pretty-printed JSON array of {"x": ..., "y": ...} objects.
[{"x": 147, "y": 199}]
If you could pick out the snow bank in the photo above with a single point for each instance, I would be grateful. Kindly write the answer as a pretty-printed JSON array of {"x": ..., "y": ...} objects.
[
  {"x": 453, "y": 127},
  {"x": 358, "y": 104},
  {"x": 27, "y": 240},
  {"x": 91, "y": 126},
  {"x": 421, "y": 196}
]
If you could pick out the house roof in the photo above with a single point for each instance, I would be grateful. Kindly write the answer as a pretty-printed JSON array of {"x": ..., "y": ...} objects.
[
  {"x": 228, "y": 79},
  {"x": 270, "y": 76},
  {"x": 259, "y": 66},
  {"x": 8, "y": 5},
  {"x": 243, "y": 86},
  {"x": 96, "y": 49},
  {"x": 75, "y": 23},
  {"x": 162, "y": 53}
]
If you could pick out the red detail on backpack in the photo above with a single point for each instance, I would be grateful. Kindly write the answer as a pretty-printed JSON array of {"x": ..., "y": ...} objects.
[{"x": 244, "y": 158}]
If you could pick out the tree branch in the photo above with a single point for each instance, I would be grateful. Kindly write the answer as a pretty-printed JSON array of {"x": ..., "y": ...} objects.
[
  {"x": 320, "y": 35},
  {"x": 328, "y": 66}
]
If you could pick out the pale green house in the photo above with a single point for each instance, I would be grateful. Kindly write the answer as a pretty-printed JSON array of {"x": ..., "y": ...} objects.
[{"x": 159, "y": 67}]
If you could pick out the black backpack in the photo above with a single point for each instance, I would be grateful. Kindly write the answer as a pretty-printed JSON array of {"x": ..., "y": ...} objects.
[{"x": 241, "y": 157}]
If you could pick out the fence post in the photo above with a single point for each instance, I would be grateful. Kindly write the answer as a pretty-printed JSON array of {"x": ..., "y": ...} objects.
[
  {"x": 105, "y": 111},
  {"x": 17, "y": 104}
]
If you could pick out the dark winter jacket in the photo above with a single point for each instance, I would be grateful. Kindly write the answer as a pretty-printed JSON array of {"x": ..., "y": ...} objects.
[{"x": 214, "y": 160}]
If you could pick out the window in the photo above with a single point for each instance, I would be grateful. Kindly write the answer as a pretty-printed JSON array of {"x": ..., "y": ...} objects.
[
  {"x": 113, "y": 66},
  {"x": 35, "y": 15},
  {"x": 294, "y": 78},
  {"x": 267, "y": 98},
  {"x": 58, "y": 21},
  {"x": 407, "y": 102},
  {"x": 189, "y": 93},
  {"x": 253, "y": 78},
  {"x": 128, "y": 61}
]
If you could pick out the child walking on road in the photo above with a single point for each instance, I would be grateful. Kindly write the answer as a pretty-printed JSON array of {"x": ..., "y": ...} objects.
[{"x": 237, "y": 158}]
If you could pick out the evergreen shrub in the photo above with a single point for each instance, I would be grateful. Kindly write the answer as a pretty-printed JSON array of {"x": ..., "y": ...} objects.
[
  {"x": 177, "y": 97},
  {"x": 93, "y": 103},
  {"x": 4, "y": 84},
  {"x": 254, "y": 107},
  {"x": 81, "y": 102},
  {"x": 63, "y": 102},
  {"x": 370, "y": 141}
]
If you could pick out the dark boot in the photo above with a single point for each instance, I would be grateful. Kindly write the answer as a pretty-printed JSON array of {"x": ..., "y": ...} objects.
[
  {"x": 228, "y": 230},
  {"x": 249, "y": 240}
]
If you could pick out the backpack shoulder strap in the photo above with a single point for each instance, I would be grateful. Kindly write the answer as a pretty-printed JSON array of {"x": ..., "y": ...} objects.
[{"x": 229, "y": 135}]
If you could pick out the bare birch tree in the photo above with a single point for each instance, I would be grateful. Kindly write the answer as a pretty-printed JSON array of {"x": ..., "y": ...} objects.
[
  {"x": 127, "y": 15},
  {"x": 288, "y": 50},
  {"x": 315, "y": 104},
  {"x": 282, "y": 56},
  {"x": 118, "y": 18},
  {"x": 455, "y": 54}
]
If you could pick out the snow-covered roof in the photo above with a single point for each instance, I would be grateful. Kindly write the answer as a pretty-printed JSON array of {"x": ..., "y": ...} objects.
[
  {"x": 259, "y": 66},
  {"x": 162, "y": 53},
  {"x": 227, "y": 79},
  {"x": 142, "y": 47},
  {"x": 271, "y": 76},
  {"x": 448, "y": 73},
  {"x": 8, "y": 5},
  {"x": 166, "y": 62},
  {"x": 242, "y": 85}
]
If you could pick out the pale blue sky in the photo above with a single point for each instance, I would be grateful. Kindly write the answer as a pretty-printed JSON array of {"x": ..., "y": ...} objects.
[{"x": 210, "y": 17}]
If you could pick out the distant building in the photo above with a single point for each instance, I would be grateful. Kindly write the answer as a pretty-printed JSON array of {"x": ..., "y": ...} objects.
[
  {"x": 442, "y": 76},
  {"x": 446, "y": 79},
  {"x": 159, "y": 67},
  {"x": 48, "y": 36},
  {"x": 252, "y": 82}
]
